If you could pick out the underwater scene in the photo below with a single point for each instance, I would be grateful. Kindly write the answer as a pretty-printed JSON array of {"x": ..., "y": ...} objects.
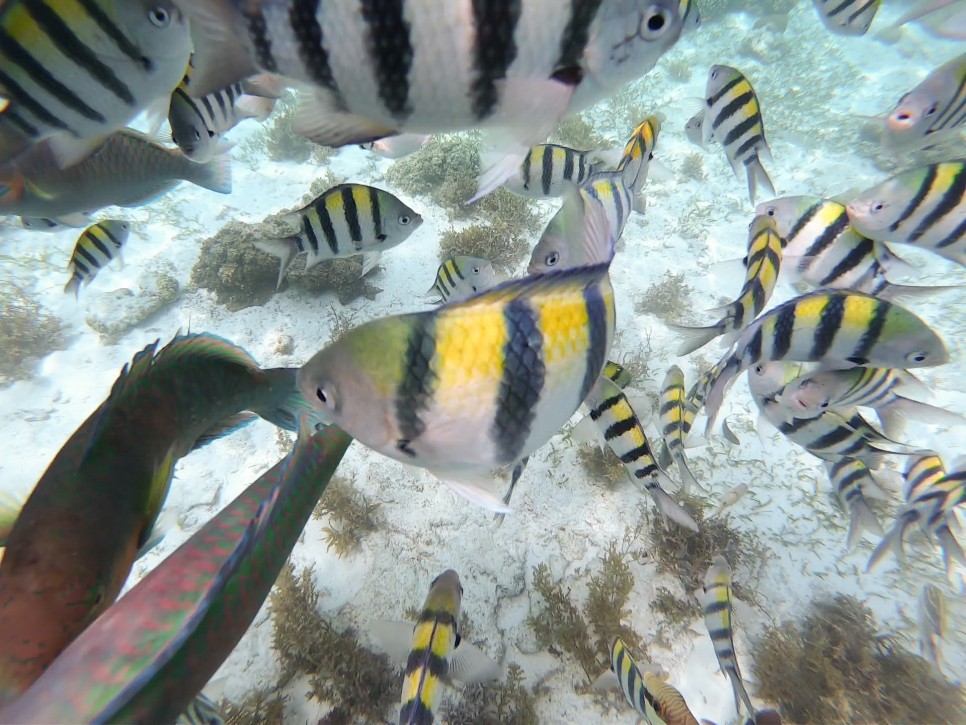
[{"x": 491, "y": 361}]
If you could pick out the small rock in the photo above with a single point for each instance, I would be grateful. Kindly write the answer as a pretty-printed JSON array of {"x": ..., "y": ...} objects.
[
  {"x": 285, "y": 345},
  {"x": 112, "y": 314}
]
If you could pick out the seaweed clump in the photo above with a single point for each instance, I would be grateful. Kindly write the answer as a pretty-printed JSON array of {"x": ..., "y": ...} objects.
[
  {"x": 508, "y": 703},
  {"x": 243, "y": 276},
  {"x": 351, "y": 516},
  {"x": 836, "y": 666},
  {"x": 601, "y": 464},
  {"x": 28, "y": 333},
  {"x": 358, "y": 683},
  {"x": 576, "y": 132},
  {"x": 587, "y": 635},
  {"x": 504, "y": 246},
  {"x": 665, "y": 299},
  {"x": 259, "y": 708}
]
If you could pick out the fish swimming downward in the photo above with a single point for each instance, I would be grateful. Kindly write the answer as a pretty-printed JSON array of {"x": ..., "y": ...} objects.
[
  {"x": 433, "y": 651},
  {"x": 74, "y": 72},
  {"x": 96, "y": 247},
  {"x": 343, "y": 221},
  {"x": 379, "y": 70},
  {"x": 852, "y": 479},
  {"x": 478, "y": 384},
  {"x": 74, "y": 542},
  {"x": 672, "y": 417}
]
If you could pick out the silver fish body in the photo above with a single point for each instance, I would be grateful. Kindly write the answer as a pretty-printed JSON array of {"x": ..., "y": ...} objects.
[
  {"x": 78, "y": 71},
  {"x": 935, "y": 108},
  {"x": 548, "y": 168},
  {"x": 932, "y": 625},
  {"x": 96, "y": 247},
  {"x": 847, "y": 17},
  {"x": 460, "y": 277}
]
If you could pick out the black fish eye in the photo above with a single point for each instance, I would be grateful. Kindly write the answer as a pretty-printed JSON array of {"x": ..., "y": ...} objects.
[
  {"x": 320, "y": 394},
  {"x": 159, "y": 17},
  {"x": 931, "y": 110},
  {"x": 552, "y": 258},
  {"x": 656, "y": 21},
  {"x": 476, "y": 270},
  {"x": 211, "y": 134},
  {"x": 824, "y": 404},
  {"x": 405, "y": 219},
  {"x": 878, "y": 207},
  {"x": 919, "y": 357}
]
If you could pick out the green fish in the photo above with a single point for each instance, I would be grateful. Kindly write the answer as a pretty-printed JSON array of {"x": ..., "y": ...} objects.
[
  {"x": 150, "y": 654},
  {"x": 74, "y": 542}
]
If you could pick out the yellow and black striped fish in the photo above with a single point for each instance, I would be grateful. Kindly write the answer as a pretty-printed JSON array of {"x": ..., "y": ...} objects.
[
  {"x": 651, "y": 697},
  {"x": 76, "y": 71},
  {"x": 733, "y": 119},
  {"x": 673, "y": 414},
  {"x": 437, "y": 654},
  {"x": 624, "y": 435},
  {"x": 924, "y": 206},
  {"x": 762, "y": 265},
  {"x": 202, "y": 711},
  {"x": 716, "y": 601},
  {"x": 461, "y": 276},
  {"x": 847, "y": 17},
  {"x": 851, "y": 478},
  {"x": 548, "y": 168},
  {"x": 690, "y": 16},
  {"x": 638, "y": 154},
  {"x": 832, "y": 327},
  {"x": 617, "y": 374},
  {"x": 343, "y": 221},
  {"x": 474, "y": 385},
  {"x": 95, "y": 248}
]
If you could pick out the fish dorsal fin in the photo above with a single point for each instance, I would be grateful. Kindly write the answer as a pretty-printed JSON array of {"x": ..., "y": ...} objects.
[{"x": 158, "y": 492}]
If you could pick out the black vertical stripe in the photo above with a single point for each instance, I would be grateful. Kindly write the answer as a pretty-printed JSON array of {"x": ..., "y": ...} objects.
[
  {"x": 597, "y": 336},
  {"x": 325, "y": 221},
  {"x": 419, "y": 380},
  {"x": 447, "y": 276},
  {"x": 829, "y": 323},
  {"x": 730, "y": 109},
  {"x": 746, "y": 152},
  {"x": 829, "y": 234},
  {"x": 527, "y": 162},
  {"x": 955, "y": 236},
  {"x": 917, "y": 200},
  {"x": 722, "y": 93},
  {"x": 880, "y": 312},
  {"x": 351, "y": 213},
  {"x": 114, "y": 240},
  {"x": 86, "y": 254},
  {"x": 493, "y": 51},
  {"x": 122, "y": 42},
  {"x": 546, "y": 169},
  {"x": 391, "y": 52},
  {"x": 784, "y": 327},
  {"x": 801, "y": 223},
  {"x": 96, "y": 242},
  {"x": 950, "y": 200},
  {"x": 855, "y": 257},
  {"x": 576, "y": 33},
  {"x": 375, "y": 211},
  {"x": 309, "y": 232},
  {"x": 568, "y": 169},
  {"x": 524, "y": 375},
  {"x": 262, "y": 44},
  {"x": 74, "y": 48},
  {"x": 752, "y": 353},
  {"x": 311, "y": 46}
]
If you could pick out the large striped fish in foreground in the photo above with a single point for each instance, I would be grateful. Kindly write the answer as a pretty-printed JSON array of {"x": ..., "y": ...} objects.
[
  {"x": 924, "y": 206},
  {"x": 343, "y": 221},
  {"x": 657, "y": 702},
  {"x": 847, "y": 17},
  {"x": 762, "y": 264},
  {"x": 74, "y": 72},
  {"x": 127, "y": 169},
  {"x": 478, "y": 384},
  {"x": 822, "y": 248},
  {"x": 834, "y": 328},
  {"x": 932, "y": 111},
  {"x": 716, "y": 602},
  {"x": 96, "y": 247},
  {"x": 733, "y": 119},
  {"x": 374, "y": 70},
  {"x": 433, "y": 651},
  {"x": 150, "y": 653},
  {"x": 74, "y": 542}
]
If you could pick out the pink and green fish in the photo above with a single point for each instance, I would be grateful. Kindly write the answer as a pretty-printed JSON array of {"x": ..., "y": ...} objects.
[{"x": 150, "y": 654}]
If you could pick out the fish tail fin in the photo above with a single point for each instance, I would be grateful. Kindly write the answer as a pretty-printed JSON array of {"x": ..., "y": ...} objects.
[
  {"x": 952, "y": 551},
  {"x": 214, "y": 175},
  {"x": 756, "y": 172},
  {"x": 285, "y": 248},
  {"x": 666, "y": 504},
  {"x": 861, "y": 519},
  {"x": 910, "y": 292},
  {"x": 910, "y": 409},
  {"x": 693, "y": 338},
  {"x": 738, "y": 685},
  {"x": 599, "y": 238},
  {"x": 73, "y": 285},
  {"x": 892, "y": 542},
  {"x": 286, "y": 402}
]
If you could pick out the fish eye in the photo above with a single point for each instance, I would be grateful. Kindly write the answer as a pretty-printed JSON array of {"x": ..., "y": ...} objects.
[
  {"x": 714, "y": 75},
  {"x": 476, "y": 270},
  {"x": 552, "y": 259},
  {"x": 320, "y": 394},
  {"x": 197, "y": 135},
  {"x": 159, "y": 17},
  {"x": 823, "y": 405},
  {"x": 405, "y": 220},
  {"x": 931, "y": 110},
  {"x": 654, "y": 22},
  {"x": 211, "y": 134},
  {"x": 918, "y": 357}
]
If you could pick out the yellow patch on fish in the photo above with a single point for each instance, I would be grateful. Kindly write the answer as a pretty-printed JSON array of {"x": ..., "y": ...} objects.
[
  {"x": 623, "y": 411},
  {"x": 565, "y": 326},
  {"x": 859, "y": 309},
  {"x": 946, "y": 175},
  {"x": 469, "y": 352},
  {"x": 808, "y": 313}
]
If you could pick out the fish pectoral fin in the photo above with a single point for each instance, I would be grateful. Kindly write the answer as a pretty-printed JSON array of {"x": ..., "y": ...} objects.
[
  {"x": 68, "y": 150},
  {"x": 369, "y": 262},
  {"x": 392, "y": 637},
  {"x": 607, "y": 680},
  {"x": 319, "y": 120},
  {"x": 477, "y": 489},
  {"x": 469, "y": 664}
]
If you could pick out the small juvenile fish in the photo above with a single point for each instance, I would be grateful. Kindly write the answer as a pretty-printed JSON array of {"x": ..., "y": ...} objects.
[
  {"x": 548, "y": 168},
  {"x": 459, "y": 277},
  {"x": 475, "y": 385},
  {"x": 343, "y": 221},
  {"x": 847, "y": 17},
  {"x": 95, "y": 248},
  {"x": 639, "y": 152},
  {"x": 932, "y": 625},
  {"x": 672, "y": 415},
  {"x": 650, "y": 696},
  {"x": 694, "y": 128},
  {"x": 624, "y": 434},
  {"x": 733, "y": 119},
  {"x": 849, "y": 477},
  {"x": 934, "y": 109},
  {"x": 762, "y": 264},
  {"x": 395, "y": 147},
  {"x": 924, "y": 206},
  {"x": 831, "y": 327},
  {"x": 731, "y": 497},
  {"x": 617, "y": 374},
  {"x": 716, "y": 602},
  {"x": 690, "y": 16},
  {"x": 75, "y": 72},
  {"x": 822, "y": 390},
  {"x": 822, "y": 248}
]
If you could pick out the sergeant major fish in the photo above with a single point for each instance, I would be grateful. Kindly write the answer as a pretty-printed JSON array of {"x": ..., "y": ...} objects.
[
  {"x": 548, "y": 168},
  {"x": 460, "y": 277},
  {"x": 672, "y": 416},
  {"x": 343, "y": 221},
  {"x": 851, "y": 478},
  {"x": 373, "y": 71},
  {"x": 75, "y": 72},
  {"x": 847, "y": 17},
  {"x": 933, "y": 110},
  {"x": 105, "y": 487},
  {"x": 474, "y": 385},
  {"x": 924, "y": 206},
  {"x": 733, "y": 119},
  {"x": 95, "y": 248},
  {"x": 833, "y": 328}
]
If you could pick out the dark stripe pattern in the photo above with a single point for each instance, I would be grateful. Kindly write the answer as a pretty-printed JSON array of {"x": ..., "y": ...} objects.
[
  {"x": 829, "y": 323},
  {"x": 418, "y": 383},
  {"x": 597, "y": 334},
  {"x": 311, "y": 45},
  {"x": 494, "y": 51},
  {"x": 870, "y": 337},
  {"x": 576, "y": 34},
  {"x": 351, "y": 213},
  {"x": 524, "y": 375},
  {"x": 391, "y": 52}
]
